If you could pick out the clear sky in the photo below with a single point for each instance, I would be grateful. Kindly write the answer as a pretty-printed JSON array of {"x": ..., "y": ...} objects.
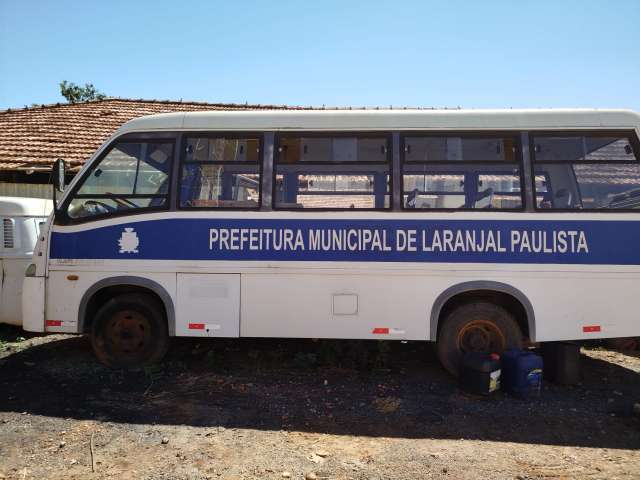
[{"x": 475, "y": 54}]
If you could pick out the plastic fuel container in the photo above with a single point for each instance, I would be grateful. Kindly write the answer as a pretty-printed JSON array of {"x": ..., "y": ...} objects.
[
  {"x": 480, "y": 372},
  {"x": 522, "y": 373}
]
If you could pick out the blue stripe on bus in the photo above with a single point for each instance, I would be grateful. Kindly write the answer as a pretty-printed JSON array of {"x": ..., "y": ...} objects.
[{"x": 483, "y": 241}]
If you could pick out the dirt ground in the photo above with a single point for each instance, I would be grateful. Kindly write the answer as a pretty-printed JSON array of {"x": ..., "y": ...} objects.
[{"x": 265, "y": 409}]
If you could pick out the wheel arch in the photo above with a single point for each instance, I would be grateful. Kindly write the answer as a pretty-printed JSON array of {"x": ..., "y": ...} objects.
[
  {"x": 139, "y": 283},
  {"x": 481, "y": 286}
]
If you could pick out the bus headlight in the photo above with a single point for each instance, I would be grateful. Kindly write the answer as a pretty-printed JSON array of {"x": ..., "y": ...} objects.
[{"x": 31, "y": 270}]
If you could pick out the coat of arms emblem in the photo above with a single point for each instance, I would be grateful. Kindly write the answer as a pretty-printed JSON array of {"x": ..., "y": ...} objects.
[{"x": 129, "y": 241}]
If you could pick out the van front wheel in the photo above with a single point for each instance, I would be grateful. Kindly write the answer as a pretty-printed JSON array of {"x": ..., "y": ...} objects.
[
  {"x": 476, "y": 327},
  {"x": 130, "y": 330}
]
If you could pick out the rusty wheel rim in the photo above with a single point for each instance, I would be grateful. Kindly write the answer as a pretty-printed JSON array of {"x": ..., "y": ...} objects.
[
  {"x": 128, "y": 333},
  {"x": 481, "y": 336}
]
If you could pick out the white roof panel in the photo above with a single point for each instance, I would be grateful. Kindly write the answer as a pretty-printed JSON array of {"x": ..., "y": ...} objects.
[{"x": 336, "y": 120}]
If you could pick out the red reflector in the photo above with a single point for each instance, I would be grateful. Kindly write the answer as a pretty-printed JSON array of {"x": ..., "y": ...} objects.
[
  {"x": 196, "y": 326},
  {"x": 591, "y": 328},
  {"x": 53, "y": 323},
  {"x": 380, "y": 331}
]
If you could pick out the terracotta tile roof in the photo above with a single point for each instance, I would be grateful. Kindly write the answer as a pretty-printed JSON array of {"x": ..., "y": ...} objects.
[{"x": 34, "y": 137}]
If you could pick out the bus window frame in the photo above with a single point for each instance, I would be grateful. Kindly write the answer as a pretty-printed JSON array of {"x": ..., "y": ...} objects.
[
  {"x": 631, "y": 135},
  {"x": 388, "y": 135},
  {"x": 519, "y": 163},
  {"x": 217, "y": 134},
  {"x": 62, "y": 217}
]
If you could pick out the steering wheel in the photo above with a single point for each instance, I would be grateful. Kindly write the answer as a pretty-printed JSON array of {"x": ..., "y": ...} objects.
[{"x": 100, "y": 206}]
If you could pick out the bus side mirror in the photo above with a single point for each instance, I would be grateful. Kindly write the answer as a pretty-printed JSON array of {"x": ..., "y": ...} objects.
[{"x": 58, "y": 173}]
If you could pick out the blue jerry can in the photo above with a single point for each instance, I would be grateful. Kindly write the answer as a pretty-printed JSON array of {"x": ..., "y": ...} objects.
[{"x": 521, "y": 373}]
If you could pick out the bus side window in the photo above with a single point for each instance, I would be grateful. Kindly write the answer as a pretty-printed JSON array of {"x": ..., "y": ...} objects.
[
  {"x": 220, "y": 172},
  {"x": 599, "y": 171},
  {"x": 131, "y": 175},
  {"x": 455, "y": 172},
  {"x": 333, "y": 172}
]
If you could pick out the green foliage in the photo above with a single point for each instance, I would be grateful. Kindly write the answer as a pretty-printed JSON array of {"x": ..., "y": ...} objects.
[{"x": 75, "y": 93}]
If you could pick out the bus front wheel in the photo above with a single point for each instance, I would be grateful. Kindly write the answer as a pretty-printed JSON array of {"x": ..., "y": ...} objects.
[
  {"x": 130, "y": 330},
  {"x": 476, "y": 327}
]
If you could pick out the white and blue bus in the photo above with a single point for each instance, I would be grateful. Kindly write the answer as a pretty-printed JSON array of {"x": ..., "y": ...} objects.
[{"x": 480, "y": 230}]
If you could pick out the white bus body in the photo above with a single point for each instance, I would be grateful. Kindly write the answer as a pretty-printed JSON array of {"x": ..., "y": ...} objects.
[
  {"x": 21, "y": 219},
  {"x": 354, "y": 225}
]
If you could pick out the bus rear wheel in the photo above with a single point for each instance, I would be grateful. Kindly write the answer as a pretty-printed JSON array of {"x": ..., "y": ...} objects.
[
  {"x": 476, "y": 327},
  {"x": 130, "y": 330}
]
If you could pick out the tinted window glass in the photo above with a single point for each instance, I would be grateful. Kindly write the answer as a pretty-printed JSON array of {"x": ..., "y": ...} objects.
[
  {"x": 461, "y": 172},
  {"x": 582, "y": 148},
  {"x": 499, "y": 182},
  {"x": 332, "y": 172},
  {"x": 332, "y": 149},
  {"x": 222, "y": 149},
  {"x": 221, "y": 172},
  {"x": 330, "y": 191},
  {"x": 435, "y": 182},
  {"x": 132, "y": 175},
  {"x": 466, "y": 187},
  {"x": 340, "y": 191},
  {"x": 588, "y": 186},
  {"x": 461, "y": 149},
  {"x": 608, "y": 149},
  {"x": 336, "y": 183},
  {"x": 218, "y": 186},
  {"x": 598, "y": 171}
]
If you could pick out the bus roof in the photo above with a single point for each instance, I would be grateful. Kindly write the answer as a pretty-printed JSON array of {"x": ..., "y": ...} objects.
[{"x": 386, "y": 119}]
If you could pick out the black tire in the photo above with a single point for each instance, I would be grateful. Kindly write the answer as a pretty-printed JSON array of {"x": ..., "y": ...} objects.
[
  {"x": 477, "y": 326},
  {"x": 130, "y": 330}
]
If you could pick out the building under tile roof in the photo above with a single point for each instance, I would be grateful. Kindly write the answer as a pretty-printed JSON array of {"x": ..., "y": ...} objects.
[{"x": 32, "y": 138}]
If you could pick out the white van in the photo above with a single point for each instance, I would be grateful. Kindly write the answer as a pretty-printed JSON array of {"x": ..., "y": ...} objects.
[{"x": 21, "y": 219}]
